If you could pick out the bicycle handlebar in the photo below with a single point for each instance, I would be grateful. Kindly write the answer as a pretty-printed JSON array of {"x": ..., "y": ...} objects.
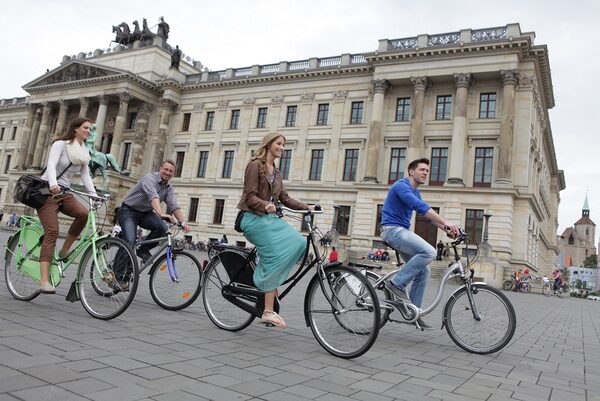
[{"x": 296, "y": 211}]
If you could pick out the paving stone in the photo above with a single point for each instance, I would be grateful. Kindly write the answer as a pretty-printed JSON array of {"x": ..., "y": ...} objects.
[{"x": 46, "y": 393}]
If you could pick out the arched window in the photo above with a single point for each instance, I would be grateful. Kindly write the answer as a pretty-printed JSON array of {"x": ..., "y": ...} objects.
[{"x": 571, "y": 240}]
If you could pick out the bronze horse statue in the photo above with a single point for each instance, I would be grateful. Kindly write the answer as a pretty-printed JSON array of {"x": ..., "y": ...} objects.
[
  {"x": 147, "y": 34},
  {"x": 100, "y": 161}
]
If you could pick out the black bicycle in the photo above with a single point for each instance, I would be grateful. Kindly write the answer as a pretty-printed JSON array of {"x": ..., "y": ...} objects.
[{"x": 340, "y": 305}]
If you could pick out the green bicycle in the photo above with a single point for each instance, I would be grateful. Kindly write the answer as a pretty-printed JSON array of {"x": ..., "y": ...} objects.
[{"x": 102, "y": 294}]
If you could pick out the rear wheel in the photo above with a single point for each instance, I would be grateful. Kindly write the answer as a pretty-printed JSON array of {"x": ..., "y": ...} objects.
[
  {"x": 525, "y": 287},
  {"x": 563, "y": 291},
  {"x": 489, "y": 331},
  {"x": 216, "y": 285},
  {"x": 547, "y": 289},
  {"x": 508, "y": 285},
  {"x": 20, "y": 284},
  {"x": 108, "y": 281},
  {"x": 342, "y": 310},
  {"x": 177, "y": 286},
  {"x": 383, "y": 294}
]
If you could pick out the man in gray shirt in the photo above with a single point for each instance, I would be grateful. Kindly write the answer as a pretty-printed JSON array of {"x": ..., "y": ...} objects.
[{"x": 141, "y": 207}]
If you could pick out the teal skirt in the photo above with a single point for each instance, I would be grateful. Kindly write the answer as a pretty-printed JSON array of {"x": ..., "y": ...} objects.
[{"x": 279, "y": 248}]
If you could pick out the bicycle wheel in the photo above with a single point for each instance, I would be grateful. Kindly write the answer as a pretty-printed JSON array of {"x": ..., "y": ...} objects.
[
  {"x": 496, "y": 324},
  {"x": 563, "y": 291},
  {"x": 342, "y": 311},
  {"x": 383, "y": 294},
  {"x": 20, "y": 285},
  {"x": 102, "y": 293},
  {"x": 547, "y": 290},
  {"x": 525, "y": 287},
  {"x": 178, "y": 288},
  {"x": 508, "y": 285},
  {"x": 215, "y": 283}
]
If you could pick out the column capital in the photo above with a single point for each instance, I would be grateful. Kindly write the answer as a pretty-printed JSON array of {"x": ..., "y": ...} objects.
[
  {"x": 307, "y": 98},
  {"x": 146, "y": 109},
  {"x": 198, "y": 107},
  {"x": 125, "y": 97},
  {"x": 509, "y": 77},
  {"x": 103, "y": 99},
  {"x": 84, "y": 100},
  {"x": 379, "y": 86},
  {"x": 420, "y": 84},
  {"x": 61, "y": 102},
  {"x": 463, "y": 80},
  {"x": 222, "y": 105},
  {"x": 165, "y": 103}
]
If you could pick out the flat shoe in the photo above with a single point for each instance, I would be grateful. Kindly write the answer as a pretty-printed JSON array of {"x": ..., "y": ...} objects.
[
  {"x": 271, "y": 318},
  {"x": 47, "y": 288}
]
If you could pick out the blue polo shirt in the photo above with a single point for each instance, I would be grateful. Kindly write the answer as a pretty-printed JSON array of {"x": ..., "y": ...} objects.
[{"x": 399, "y": 204}]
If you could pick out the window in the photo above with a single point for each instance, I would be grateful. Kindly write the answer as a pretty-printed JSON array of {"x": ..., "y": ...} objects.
[
  {"x": 350, "y": 164},
  {"x": 131, "y": 119},
  {"x": 219, "y": 207},
  {"x": 316, "y": 164},
  {"x": 444, "y": 107},
  {"x": 378, "y": 220},
  {"x": 203, "y": 157},
  {"x": 126, "y": 156},
  {"x": 228, "y": 163},
  {"x": 193, "y": 213},
  {"x": 483, "y": 167},
  {"x": 403, "y": 109},
  {"x": 14, "y": 134},
  {"x": 474, "y": 224},
  {"x": 571, "y": 240},
  {"x": 356, "y": 114},
  {"x": 342, "y": 219},
  {"x": 2, "y": 133},
  {"x": 439, "y": 164},
  {"x": 235, "y": 119},
  {"x": 323, "y": 114},
  {"x": 185, "y": 126},
  {"x": 261, "y": 121},
  {"x": 284, "y": 164},
  {"x": 210, "y": 120},
  {"x": 7, "y": 163},
  {"x": 290, "y": 117},
  {"x": 487, "y": 105},
  {"x": 179, "y": 156},
  {"x": 397, "y": 160}
]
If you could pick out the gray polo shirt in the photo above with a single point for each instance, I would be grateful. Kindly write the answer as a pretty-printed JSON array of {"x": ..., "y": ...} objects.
[{"x": 148, "y": 187}]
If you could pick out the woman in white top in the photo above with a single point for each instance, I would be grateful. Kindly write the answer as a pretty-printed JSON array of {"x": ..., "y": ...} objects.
[{"x": 68, "y": 156}]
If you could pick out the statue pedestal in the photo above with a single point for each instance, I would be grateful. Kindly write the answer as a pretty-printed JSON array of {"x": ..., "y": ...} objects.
[{"x": 175, "y": 75}]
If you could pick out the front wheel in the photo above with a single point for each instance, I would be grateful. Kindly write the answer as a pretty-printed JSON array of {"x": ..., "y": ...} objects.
[
  {"x": 525, "y": 287},
  {"x": 342, "y": 310},
  {"x": 563, "y": 291},
  {"x": 175, "y": 284},
  {"x": 547, "y": 289},
  {"x": 107, "y": 278},
  {"x": 480, "y": 319},
  {"x": 20, "y": 285},
  {"x": 508, "y": 285}
]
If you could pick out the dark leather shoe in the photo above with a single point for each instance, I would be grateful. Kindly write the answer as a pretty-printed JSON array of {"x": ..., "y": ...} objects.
[{"x": 145, "y": 255}]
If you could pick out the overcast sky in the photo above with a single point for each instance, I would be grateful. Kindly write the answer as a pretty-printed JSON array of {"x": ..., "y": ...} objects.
[{"x": 222, "y": 34}]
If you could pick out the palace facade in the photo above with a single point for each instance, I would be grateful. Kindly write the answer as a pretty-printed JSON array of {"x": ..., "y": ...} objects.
[{"x": 473, "y": 101}]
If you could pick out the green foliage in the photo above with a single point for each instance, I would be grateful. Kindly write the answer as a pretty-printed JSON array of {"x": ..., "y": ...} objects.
[{"x": 591, "y": 262}]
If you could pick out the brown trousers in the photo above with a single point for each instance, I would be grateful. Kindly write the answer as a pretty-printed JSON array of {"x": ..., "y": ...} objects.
[{"x": 49, "y": 217}]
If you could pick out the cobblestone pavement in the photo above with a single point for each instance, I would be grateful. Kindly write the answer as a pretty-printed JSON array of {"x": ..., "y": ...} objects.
[{"x": 51, "y": 349}]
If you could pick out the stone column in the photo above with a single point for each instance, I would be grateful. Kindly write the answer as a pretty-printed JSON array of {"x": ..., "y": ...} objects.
[
  {"x": 416, "y": 140},
  {"x": 25, "y": 137},
  {"x": 166, "y": 108},
  {"x": 85, "y": 103},
  {"x": 34, "y": 136},
  {"x": 115, "y": 148},
  {"x": 101, "y": 119},
  {"x": 61, "y": 121},
  {"x": 459, "y": 131},
  {"x": 139, "y": 151},
  {"x": 507, "y": 122},
  {"x": 379, "y": 87},
  {"x": 43, "y": 132}
]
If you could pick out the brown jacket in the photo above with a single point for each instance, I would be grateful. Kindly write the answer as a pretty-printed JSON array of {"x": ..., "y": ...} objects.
[{"x": 258, "y": 190}]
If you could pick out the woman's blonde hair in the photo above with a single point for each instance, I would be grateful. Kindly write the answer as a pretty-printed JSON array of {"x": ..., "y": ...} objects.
[{"x": 263, "y": 149}]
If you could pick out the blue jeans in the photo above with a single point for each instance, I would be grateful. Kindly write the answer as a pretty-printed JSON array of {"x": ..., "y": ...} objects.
[
  {"x": 417, "y": 254},
  {"x": 130, "y": 219}
]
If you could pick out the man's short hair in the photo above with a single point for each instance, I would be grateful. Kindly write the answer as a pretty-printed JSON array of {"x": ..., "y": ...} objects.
[
  {"x": 413, "y": 164},
  {"x": 171, "y": 162}
]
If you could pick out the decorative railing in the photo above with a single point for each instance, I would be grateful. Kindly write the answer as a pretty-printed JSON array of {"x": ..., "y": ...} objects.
[
  {"x": 357, "y": 59},
  {"x": 242, "y": 72},
  {"x": 330, "y": 61},
  {"x": 400, "y": 44},
  {"x": 444, "y": 39},
  {"x": 299, "y": 65},
  {"x": 488, "y": 34},
  {"x": 269, "y": 69}
]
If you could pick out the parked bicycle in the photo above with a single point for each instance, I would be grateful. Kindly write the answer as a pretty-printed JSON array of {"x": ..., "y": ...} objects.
[
  {"x": 340, "y": 305},
  {"x": 548, "y": 289},
  {"x": 478, "y": 318},
  {"x": 513, "y": 284},
  {"x": 175, "y": 275},
  {"x": 95, "y": 284}
]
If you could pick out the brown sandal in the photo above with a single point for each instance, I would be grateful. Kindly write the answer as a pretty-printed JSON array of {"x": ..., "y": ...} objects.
[{"x": 271, "y": 318}]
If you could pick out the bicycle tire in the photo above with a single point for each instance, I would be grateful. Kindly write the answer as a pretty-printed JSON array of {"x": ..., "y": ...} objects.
[
  {"x": 547, "y": 290},
  {"x": 508, "y": 285},
  {"x": 563, "y": 291},
  {"x": 99, "y": 291},
  {"x": 176, "y": 294},
  {"x": 347, "y": 327},
  {"x": 493, "y": 307},
  {"x": 222, "y": 312},
  {"x": 382, "y": 293},
  {"x": 20, "y": 285},
  {"x": 525, "y": 288}
]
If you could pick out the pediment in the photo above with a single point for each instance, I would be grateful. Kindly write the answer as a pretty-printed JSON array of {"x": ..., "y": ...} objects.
[{"x": 72, "y": 72}]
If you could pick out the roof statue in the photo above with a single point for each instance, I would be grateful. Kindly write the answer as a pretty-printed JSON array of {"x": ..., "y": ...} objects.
[{"x": 125, "y": 37}]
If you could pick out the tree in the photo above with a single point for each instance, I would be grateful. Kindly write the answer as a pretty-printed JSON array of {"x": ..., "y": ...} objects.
[{"x": 591, "y": 262}]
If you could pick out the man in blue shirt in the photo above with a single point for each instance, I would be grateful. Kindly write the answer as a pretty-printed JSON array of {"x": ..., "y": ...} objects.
[{"x": 402, "y": 198}]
